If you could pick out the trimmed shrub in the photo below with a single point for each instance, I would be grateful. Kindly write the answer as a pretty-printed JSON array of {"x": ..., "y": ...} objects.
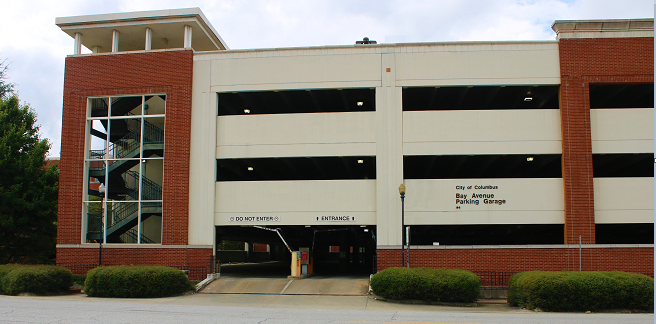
[
  {"x": 36, "y": 279},
  {"x": 581, "y": 290},
  {"x": 136, "y": 282},
  {"x": 436, "y": 285}
]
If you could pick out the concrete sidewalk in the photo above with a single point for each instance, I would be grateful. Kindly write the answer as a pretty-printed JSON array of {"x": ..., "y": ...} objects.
[{"x": 291, "y": 301}]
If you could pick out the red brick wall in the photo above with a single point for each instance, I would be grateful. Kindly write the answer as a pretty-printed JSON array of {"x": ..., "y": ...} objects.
[
  {"x": 185, "y": 259},
  {"x": 585, "y": 61},
  {"x": 167, "y": 72},
  {"x": 639, "y": 260}
]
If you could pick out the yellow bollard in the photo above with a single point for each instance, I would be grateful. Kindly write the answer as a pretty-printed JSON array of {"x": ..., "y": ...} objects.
[{"x": 294, "y": 264}]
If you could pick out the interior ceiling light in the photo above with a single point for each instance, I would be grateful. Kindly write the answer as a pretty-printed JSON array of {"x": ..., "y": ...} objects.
[
  {"x": 360, "y": 161},
  {"x": 247, "y": 111},
  {"x": 529, "y": 159},
  {"x": 528, "y": 99},
  {"x": 360, "y": 103},
  {"x": 366, "y": 230},
  {"x": 250, "y": 168}
]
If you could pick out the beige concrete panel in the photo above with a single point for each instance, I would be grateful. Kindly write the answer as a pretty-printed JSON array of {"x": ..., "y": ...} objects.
[
  {"x": 474, "y": 64},
  {"x": 624, "y": 200},
  {"x": 389, "y": 155},
  {"x": 296, "y": 69},
  {"x": 484, "y": 217},
  {"x": 498, "y": 147},
  {"x": 296, "y": 86},
  {"x": 294, "y": 150},
  {"x": 482, "y": 132},
  {"x": 296, "y": 202},
  {"x": 510, "y": 201},
  {"x": 292, "y": 129},
  {"x": 622, "y": 130},
  {"x": 202, "y": 161}
]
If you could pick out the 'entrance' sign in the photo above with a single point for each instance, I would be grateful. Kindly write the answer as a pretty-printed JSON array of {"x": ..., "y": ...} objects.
[{"x": 335, "y": 218}]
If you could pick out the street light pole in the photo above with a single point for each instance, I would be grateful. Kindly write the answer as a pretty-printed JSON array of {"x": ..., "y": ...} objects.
[
  {"x": 101, "y": 189},
  {"x": 402, "y": 193}
]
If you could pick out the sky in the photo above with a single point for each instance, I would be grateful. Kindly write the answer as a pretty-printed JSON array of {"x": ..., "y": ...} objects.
[{"x": 35, "y": 47}]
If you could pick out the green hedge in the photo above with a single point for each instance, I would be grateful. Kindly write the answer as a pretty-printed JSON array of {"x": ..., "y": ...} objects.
[
  {"x": 36, "y": 279},
  {"x": 437, "y": 285},
  {"x": 581, "y": 291},
  {"x": 136, "y": 282}
]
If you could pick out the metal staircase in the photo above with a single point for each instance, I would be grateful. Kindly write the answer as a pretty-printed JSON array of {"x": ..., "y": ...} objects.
[{"x": 123, "y": 184}]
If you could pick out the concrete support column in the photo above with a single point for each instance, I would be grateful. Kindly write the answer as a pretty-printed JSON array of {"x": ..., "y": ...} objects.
[
  {"x": 389, "y": 154},
  {"x": 149, "y": 39},
  {"x": 187, "y": 36},
  {"x": 77, "y": 48},
  {"x": 115, "y": 35}
]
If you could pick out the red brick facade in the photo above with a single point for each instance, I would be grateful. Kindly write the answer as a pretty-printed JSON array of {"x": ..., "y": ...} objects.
[
  {"x": 640, "y": 260},
  {"x": 195, "y": 259},
  {"x": 582, "y": 62},
  {"x": 167, "y": 72}
]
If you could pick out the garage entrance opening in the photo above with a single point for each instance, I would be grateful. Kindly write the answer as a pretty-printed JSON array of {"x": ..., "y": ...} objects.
[{"x": 330, "y": 250}]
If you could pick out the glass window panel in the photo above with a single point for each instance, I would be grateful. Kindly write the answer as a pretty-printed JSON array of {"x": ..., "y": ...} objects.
[
  {"x": 124, "y": 180},
  {"x": 97, "y": 138},
  {"x": 125, "y": 138},
  {"x": 93, "y": 188},
  {"x": 151, "y": 222},
  {"x": 155, "y": 105},
  {"x": 93, "y": 222},
  {"x": 151, "y": 181},
  {"x": 126, "y": 106},
  {"x": 98, "y": 107},
  {"x": 153, "y": 137},
  {"x": 122, "y": 216}
]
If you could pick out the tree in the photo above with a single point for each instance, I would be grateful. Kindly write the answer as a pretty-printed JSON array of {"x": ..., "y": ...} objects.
[
  {"x": 5, "y": 88},
  {"x": 28, "y": 189}
]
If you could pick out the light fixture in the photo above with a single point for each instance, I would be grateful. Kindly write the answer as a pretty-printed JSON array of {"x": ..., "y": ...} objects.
[
  {"x": 360, "y": 161},
  {"x": 366, "y": 230},
  {"x": 528, "y": 99},
  {"x": 360, "y": 103},
  {"x": 529, "y": 159},
  {"x": 144, "y": 161},
  {"x": 250, "y": 168},
  {"x": 247, "y": 111}
]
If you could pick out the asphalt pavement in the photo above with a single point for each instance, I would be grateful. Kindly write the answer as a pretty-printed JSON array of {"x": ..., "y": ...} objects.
[{"x": 265, "y": 308}]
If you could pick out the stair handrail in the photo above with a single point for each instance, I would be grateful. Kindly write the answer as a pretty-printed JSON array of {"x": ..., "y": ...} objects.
[
  {"x": 132, "y": 234},
  {"x": 151, "y": 190}
]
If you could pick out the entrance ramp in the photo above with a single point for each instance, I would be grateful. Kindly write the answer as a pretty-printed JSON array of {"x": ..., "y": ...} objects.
[
  {"x": 271, "y": 286},
  {"x": 335, "y": 286},
  {"x": 328, "y": 286}
]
